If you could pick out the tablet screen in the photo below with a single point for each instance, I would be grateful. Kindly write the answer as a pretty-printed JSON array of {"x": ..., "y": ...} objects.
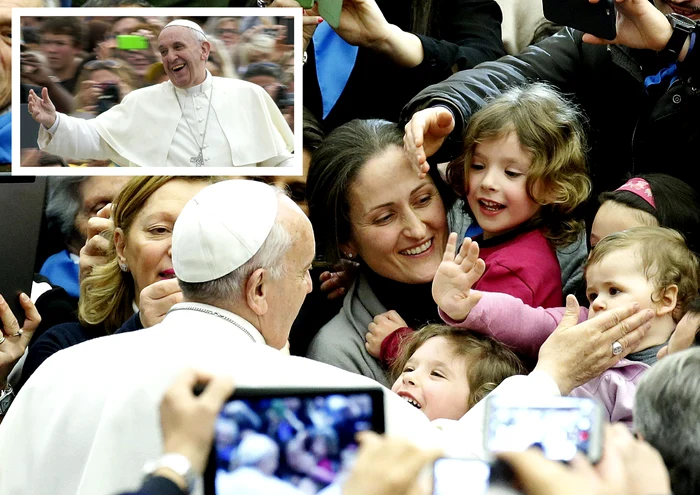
[{"x": 289, "y": 443}]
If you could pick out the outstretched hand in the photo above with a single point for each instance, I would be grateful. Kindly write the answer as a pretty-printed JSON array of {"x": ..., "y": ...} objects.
[
  {"x": 639, "y": 25},
  {"x": 42, "y": 109},
  {"x": 424, "y": 134},
  {"x": 455, "y": 277}
]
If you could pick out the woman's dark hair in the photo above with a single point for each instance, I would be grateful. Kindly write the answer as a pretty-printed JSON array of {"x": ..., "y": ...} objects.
[
  {"x": 677, "y": 205},
  {"x": 313, "y": 132},
  {"x": 333, "y": 170}
]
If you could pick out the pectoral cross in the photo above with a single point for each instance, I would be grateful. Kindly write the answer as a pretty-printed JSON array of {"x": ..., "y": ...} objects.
[{"x": 198, "y": 160}]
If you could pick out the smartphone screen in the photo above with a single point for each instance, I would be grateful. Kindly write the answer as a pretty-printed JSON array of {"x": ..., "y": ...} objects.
[
  {"x": 559, "y": 425},
  {"x": 132, "y": 42},
  {"x": 282, "y": 441}
]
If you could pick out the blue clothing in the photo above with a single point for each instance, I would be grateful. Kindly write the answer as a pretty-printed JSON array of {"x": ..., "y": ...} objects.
[
  {"x": 61, "y": 270},
  {"x": 6, "y": 138}
]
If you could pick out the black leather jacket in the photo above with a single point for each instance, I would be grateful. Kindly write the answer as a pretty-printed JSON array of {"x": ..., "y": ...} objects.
[{"x": 631, "y": 130}]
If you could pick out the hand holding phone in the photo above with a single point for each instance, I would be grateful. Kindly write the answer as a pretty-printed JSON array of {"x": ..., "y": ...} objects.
[
  {"x": 561, "y": 426},
  {"x": 598, "y": 19}
]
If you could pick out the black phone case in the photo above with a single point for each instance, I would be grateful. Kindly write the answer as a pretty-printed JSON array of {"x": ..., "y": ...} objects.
[
  {"x": 597, "y": 19},
  {"x": 21, "y": 210}
]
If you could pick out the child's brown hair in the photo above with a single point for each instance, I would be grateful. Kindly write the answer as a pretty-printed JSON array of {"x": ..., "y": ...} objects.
[
  {"x": 489, "y": 361},
  {"x": 551, "y": 130}
]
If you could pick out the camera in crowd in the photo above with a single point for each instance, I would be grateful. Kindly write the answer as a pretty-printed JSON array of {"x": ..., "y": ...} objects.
[{"x": 109, "y": 97}]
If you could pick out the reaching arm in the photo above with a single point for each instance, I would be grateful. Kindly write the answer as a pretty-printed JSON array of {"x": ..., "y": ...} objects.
[{"x": 557, "y": 60}]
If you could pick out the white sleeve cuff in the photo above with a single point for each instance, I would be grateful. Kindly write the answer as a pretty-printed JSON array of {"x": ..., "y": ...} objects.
[{"x": 52, "y": 130}]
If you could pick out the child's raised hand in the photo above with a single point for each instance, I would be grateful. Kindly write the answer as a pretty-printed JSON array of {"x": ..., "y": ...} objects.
[
  {"x": 455, "y": 277},
  {"x": 380, "y": 328}
]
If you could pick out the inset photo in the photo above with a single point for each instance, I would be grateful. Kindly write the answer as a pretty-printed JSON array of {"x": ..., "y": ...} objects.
[{"x": 163, "y": 93}]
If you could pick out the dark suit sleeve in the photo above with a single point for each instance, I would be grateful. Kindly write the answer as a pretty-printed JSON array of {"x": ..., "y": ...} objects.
[
  {"x": 470, "y": 34},
  {"x": 132, "y": 324},
  {"x": 556, "y": 60},
  {"x": 157, "y": 485}
]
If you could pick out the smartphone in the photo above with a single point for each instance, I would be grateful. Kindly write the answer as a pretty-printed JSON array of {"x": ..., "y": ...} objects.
[
  {"x": 21, "y": 211},
  {"x": 301, "y": 439},
  {"x": 561, "y": 426},
  {"x": 132, "y": 42},
  {"x": 597, "y": 19}
]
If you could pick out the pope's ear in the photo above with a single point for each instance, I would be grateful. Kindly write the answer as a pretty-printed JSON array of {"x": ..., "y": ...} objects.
[
  {"x": 256, "y": 291},
  {"x": 206, "y": 48}
]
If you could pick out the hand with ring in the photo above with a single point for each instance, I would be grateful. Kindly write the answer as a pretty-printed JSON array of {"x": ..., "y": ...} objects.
[
  {"x": 617, "y": 348},
  {"x": 13, "y": 339}
]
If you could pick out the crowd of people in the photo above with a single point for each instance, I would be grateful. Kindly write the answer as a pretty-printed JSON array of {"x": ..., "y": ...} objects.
[{"x": 476, "y": 218}]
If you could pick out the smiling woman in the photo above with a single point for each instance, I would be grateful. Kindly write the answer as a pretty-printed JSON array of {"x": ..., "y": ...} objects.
[
  {"x": 367, "y": 204},
  {"x": 138, "y": 256}
]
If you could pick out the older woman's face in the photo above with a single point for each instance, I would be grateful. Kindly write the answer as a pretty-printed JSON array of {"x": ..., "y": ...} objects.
[
  {"x": 398, "y": 221},
  {"x": 146, "y": 248}
]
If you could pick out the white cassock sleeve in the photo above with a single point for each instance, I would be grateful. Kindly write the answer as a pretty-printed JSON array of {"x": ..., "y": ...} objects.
[{"x": 77, "y": 138}]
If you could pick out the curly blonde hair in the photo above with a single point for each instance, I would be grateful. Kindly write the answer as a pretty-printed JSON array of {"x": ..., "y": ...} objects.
[
  {"x": 552, "y": 130},
  {"x": 107, "y": 293},
  {"x": 489, "y": 361}
]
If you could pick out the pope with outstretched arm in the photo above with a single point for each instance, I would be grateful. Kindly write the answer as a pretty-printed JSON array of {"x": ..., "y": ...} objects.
[{"x": 192, "y": 120}]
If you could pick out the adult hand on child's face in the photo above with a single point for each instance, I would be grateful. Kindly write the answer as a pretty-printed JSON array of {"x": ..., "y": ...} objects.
[
  {"x": 15, "y": 339},
  {"x": 576, "y": 353},
  {"x": 683, "y": 336},
  {"x": 188, "y": 420},
  {"x": 382, "y": 325},
  {"x": 424, "y": 134},
  {"x": 157, "y": 299},
  {"x": 386, "y": 465},
  {"x": 94, "y": 252},
  {"x": 455, "y": 277}
]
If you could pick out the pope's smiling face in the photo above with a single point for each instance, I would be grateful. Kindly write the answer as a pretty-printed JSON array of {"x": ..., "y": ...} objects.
[{"x": 184, "y": 56}]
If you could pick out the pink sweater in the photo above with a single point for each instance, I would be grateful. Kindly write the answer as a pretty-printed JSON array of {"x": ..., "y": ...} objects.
[{"x": 525, "y": 329}]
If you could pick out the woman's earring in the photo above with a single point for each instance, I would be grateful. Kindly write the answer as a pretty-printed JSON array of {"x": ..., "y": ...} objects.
[
  {"x": 349, "y": 255},
  {"x": 123, "y": 267}
]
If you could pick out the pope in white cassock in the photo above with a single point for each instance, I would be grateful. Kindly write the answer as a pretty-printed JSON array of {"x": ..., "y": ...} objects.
[{"x": 192, "y": 120}]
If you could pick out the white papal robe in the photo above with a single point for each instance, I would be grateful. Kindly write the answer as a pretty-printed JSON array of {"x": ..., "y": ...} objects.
[
  {"x": 88, "y": 419},
  {"x": 164, "y": 126}
]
